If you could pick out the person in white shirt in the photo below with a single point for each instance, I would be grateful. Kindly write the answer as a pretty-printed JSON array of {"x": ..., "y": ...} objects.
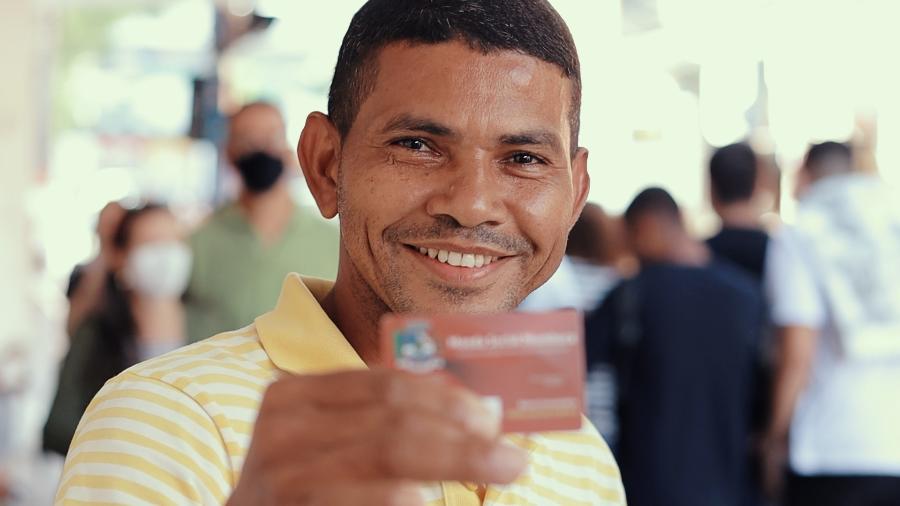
[{"x": 834, "y": 283}]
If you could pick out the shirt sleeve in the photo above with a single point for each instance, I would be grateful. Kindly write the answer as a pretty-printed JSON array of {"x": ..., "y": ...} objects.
[
  {"x": 144, "y": 441},
  {"x": 791, "y": 284}
]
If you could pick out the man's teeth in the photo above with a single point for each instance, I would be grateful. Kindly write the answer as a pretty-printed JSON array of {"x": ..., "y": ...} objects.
[{"x": 457, "y": 259}]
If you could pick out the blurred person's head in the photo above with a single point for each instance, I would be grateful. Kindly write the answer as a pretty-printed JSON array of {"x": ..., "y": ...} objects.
[
  {"x": 732, "y": 176},
  {"x": 257, "y": 146},
  {"x": 827, "y": 159},
  {"x": 588, "y": 239},
  {"x": 821, "y": 161},
  {"x": 450, "y": 152},
  {"x": 152, "y": 259},
  {"x": 107, "y": 223},
  {"x": 654, "y": 224},
  {"x": 150, "y": 262}
]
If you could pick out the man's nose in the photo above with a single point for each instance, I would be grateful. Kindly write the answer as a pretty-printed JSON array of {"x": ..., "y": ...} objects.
[{"x": 471, "y": 194}]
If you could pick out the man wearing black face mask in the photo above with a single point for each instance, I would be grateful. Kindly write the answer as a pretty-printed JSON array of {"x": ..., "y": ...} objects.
[{"x": 244, "y": 251}]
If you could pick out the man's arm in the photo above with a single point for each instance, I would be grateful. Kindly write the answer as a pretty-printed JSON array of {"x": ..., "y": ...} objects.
[
  {"x": 796, "y": 350},
  {"x": 142, "y": 441},
  {"x": 85, "y": 291},
  {"x": 348, "y": 438},
  {"x": 368, "y": 437},
  {"x": 798, "y": 313}
]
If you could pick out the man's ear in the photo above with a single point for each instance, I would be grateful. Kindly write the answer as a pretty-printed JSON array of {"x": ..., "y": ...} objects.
[
  {"x": 319, "y": 154},
  {"x": 581, "y": 183}
]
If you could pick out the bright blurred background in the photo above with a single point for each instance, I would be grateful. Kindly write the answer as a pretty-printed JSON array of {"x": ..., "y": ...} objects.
[{"x": 125, "y": 99}]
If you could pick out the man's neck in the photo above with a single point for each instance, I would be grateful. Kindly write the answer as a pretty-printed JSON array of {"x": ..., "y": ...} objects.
[
  {"x": 268, "y": 213},
  {"x": 685, "y": 251},
  {"x": 356, "y": 312},
  {"x": 740, "y": 215}
]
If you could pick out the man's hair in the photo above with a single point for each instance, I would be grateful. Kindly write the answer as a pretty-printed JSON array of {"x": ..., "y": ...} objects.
[
  {"x": 122, "y": 236},
  {"x": 652, "y": 201},
  {"x": 530, "y": 27},
  {"x": 732, "y": 173},
  {"x": 828, "y": 158}
]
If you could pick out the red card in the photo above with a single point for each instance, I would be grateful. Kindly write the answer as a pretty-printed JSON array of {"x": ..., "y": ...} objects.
[{"x": 530, "y": 364}]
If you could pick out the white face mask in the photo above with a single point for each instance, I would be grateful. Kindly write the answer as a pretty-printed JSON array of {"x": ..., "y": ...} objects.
[{"x": 158, "y": 270}]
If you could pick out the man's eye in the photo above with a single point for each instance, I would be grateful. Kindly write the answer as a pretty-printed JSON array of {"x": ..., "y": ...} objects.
[
  {"x": 412, "y": 144},
  {"x": 525, "y": 159}
]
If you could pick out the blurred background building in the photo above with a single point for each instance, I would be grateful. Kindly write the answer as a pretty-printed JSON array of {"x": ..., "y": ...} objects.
[{"x": 125, "y": 100}]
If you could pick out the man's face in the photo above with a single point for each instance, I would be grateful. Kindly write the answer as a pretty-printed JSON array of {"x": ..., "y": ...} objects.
[{"x": 456, "y": 187}]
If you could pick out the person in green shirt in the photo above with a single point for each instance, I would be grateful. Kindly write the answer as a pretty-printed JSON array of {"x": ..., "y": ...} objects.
[{"x": 243, "y": 252}]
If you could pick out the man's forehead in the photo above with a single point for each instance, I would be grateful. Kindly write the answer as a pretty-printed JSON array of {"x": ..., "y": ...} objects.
[
  {"x": 449, "y": 77},
  {"x": 255, "y": 116}
]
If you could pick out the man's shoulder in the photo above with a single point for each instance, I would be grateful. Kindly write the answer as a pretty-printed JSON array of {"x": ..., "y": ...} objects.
[
  {"x": 740, "y": 234},
  {"x": 206, "y": 367},
  {"x": 177, "y": 425},
  {"x": 736, "y": 288}
]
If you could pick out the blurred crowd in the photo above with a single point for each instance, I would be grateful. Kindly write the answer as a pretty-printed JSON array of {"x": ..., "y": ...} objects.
[
  {"x": 154, "y": 287},
  {"x": 757, "y": 366}
]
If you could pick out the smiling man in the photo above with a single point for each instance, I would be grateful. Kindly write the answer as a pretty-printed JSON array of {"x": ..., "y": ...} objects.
[{"x": 450, "y": 154}]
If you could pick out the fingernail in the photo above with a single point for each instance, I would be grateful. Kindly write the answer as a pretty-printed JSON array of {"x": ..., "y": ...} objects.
[
  {"x": 505, "y": 463},
  {"x": 484, "y": 419},
  {"x": 408, "y": 496}
]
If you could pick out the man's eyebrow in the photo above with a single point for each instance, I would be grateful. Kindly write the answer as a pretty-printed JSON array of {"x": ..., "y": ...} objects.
[
  {"x": 417, "y": 124},
  {"x": 533, "y": 138}
]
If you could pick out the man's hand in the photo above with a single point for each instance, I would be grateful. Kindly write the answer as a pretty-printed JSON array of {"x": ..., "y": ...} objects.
[{"x": 368, "y": 437}]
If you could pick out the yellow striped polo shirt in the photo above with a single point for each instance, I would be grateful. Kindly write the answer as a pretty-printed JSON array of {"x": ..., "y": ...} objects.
[{"x": 174, "y": 430}]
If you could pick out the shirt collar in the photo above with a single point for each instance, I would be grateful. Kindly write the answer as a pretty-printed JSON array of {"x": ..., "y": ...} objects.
[{"x": 298, "y": 336}]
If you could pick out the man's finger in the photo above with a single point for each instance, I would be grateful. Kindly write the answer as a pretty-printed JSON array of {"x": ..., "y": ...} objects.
[
  {"x": 355, "y": 389},
  {"x": 420, "y": 455},
  {"x": 301, "y": 440}
]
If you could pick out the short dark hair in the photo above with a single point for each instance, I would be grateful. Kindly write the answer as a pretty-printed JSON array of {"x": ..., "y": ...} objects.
[
  {"x": 732, "y": 173},
  {"x": 123, "y": 233},
  {"x": 828, "y": 158},
  {"x": 652, "y": 201},
  {"x": 586, "y": 237},
  {"x": 531, "y": 27}
]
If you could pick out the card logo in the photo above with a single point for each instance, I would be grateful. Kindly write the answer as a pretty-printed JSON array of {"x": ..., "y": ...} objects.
[{"x": 415, "y": 350}]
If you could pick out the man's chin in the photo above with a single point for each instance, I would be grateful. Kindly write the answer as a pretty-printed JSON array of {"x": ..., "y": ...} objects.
[{"x": 450, "y": 300}]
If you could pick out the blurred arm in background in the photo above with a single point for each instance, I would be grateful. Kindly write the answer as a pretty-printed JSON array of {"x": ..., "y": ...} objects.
[
  {"x": 87, "y": 282},
  {"x": 798, "y": 314}
]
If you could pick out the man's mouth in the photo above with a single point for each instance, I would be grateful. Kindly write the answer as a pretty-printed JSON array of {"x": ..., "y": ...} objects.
[{"x": 456, "y": 258}]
